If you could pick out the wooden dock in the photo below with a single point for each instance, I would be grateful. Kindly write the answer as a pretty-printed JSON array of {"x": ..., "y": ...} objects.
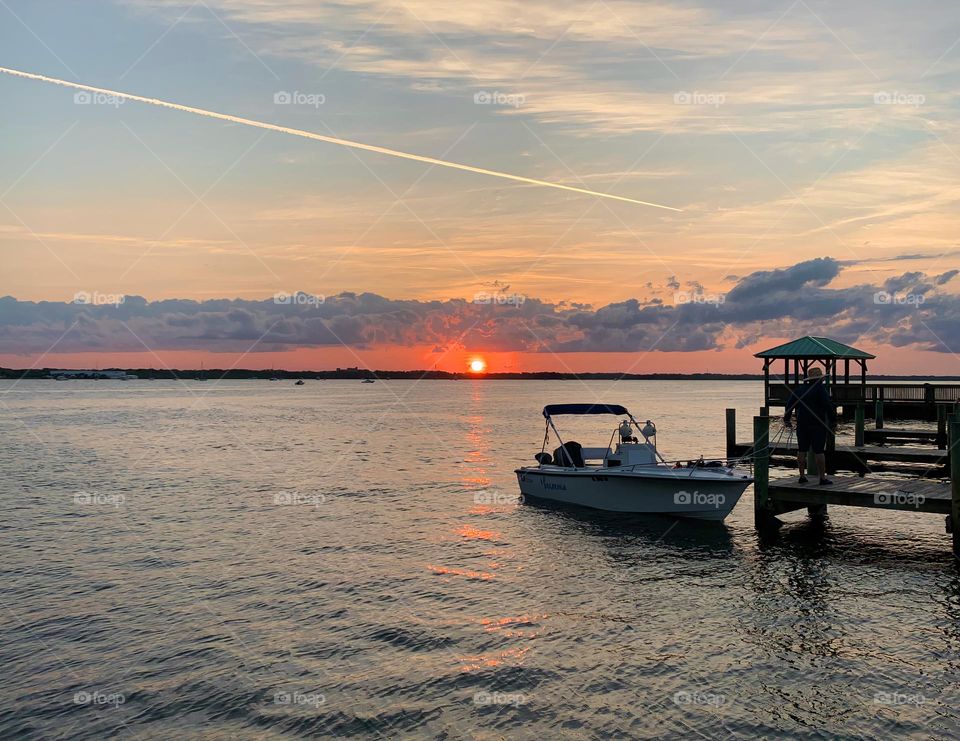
[
  {"x": 861, "y": 459},
  {"x": 907, "y": 495},
  {"x": 883, "y": 435},
  {"x": 775, "y": 496}
]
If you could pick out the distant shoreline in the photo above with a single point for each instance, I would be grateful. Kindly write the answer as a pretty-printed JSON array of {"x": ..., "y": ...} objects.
[{"x": 360, "y": 374}]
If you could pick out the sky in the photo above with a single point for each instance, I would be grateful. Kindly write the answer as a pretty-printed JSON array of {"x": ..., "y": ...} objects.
[{"x": 813, "y": 149}]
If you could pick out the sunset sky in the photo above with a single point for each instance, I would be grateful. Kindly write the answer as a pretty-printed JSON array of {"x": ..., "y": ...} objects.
[{"x": 813, "y": 147}]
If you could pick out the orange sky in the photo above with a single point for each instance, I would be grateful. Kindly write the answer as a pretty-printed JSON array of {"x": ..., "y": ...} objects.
[
  {"x": 783, "y": 136},
  {"x": 897, "y": 361}
]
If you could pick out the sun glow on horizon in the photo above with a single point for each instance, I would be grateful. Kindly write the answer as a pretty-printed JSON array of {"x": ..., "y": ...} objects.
[{"x": 478, "y": 365}]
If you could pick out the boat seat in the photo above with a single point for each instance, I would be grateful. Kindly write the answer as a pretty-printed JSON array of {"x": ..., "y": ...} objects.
[{"x": 568, "y": 454}]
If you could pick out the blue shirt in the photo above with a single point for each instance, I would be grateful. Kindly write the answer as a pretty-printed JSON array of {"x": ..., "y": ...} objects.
[{"x": 813, "y": 404}]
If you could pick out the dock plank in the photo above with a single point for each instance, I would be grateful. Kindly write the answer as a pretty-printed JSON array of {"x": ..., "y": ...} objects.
[
  {"x": 906, "y": 495},
  {"x": 900, "y": 432},
  {"x": 894, "y": 434}
]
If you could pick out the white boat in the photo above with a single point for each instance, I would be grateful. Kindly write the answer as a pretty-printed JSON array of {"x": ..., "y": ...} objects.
[{"x": 632, "y": 477}]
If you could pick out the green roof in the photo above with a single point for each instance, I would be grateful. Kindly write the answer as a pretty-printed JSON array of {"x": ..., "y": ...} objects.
[{"x": 814, "y": 347}]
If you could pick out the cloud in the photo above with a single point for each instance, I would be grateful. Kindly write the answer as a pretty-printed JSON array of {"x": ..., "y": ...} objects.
[
  {"x": 908, "y": 309},
  {"x": 775, "y": 70}
]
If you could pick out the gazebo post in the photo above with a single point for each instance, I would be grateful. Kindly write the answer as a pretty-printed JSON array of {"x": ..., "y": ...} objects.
[{"x": 766, "y": 380}]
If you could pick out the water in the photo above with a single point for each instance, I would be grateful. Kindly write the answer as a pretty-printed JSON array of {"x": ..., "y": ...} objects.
[{"x": 258, "y": 560}]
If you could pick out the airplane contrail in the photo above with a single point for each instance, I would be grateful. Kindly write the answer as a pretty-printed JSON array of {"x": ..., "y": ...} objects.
[{"x": 328, "y": 139}]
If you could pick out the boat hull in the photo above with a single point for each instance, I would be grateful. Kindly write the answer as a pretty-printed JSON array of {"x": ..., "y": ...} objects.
[{"x": 701, "y": 495}]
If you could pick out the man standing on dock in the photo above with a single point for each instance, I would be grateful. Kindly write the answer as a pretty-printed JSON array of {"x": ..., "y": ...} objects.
[{"x": 816, "y": 416}]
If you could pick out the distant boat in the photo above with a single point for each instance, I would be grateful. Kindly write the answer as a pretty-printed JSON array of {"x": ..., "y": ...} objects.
[
  {"x": 299, "y": 382},
  {"x": 368, "y": 380},
  {"x": 203, "y": 374}
]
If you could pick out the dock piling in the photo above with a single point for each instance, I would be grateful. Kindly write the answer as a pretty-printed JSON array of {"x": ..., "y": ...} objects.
[
  {"x": 878, "y": 414},
  {"x": 830, "y": 451},
  {"x": 762, "y": 515},
  {"x": 858, "y": 427},
  {"x": 955, "y": 485},
  {"x": 941, "y": 426},
  {"x": 731, "y": 433}
]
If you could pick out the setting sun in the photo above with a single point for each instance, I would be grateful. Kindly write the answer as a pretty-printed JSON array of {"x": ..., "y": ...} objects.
[{"x": 477, "y": 365}]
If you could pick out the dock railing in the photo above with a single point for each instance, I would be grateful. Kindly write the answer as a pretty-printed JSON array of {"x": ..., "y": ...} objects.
[{"x": 848, "y": 393}]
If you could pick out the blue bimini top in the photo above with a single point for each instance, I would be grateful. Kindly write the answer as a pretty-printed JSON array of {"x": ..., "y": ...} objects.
[{"x": 552, "y": 410}]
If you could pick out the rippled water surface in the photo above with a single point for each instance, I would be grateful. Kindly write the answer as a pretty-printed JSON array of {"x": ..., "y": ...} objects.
[{"x": 249, "y": 559}]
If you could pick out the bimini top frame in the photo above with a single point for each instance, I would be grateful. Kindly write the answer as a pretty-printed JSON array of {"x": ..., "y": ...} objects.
[{"x": 552, "y": 410}]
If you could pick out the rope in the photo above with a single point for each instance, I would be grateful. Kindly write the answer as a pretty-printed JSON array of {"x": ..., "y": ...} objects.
[{"x": 751, "y": 453}]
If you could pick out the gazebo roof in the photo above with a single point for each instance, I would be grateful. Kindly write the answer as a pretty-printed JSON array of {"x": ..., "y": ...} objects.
[{"x": 814, "y": 348}]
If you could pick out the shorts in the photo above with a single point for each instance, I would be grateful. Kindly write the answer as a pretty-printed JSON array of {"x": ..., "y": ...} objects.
[{"x": 811, "y": 435}]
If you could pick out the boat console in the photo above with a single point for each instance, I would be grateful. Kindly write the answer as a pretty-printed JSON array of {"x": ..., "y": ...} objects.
[{"x": 633, "y": 454}]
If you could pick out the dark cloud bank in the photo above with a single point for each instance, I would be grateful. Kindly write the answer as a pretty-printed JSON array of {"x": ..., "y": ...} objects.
[{"x": 909, "y": 309}]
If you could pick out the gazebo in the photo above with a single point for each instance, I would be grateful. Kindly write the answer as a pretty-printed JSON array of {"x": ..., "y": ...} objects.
[{"x": 807, "y": 352}]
